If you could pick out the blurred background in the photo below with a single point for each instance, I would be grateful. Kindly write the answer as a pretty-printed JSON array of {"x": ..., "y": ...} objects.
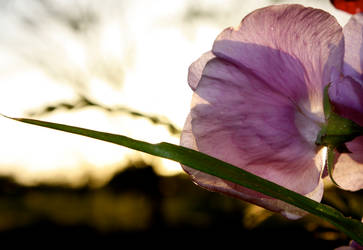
[{"x": 121, "y": 66}]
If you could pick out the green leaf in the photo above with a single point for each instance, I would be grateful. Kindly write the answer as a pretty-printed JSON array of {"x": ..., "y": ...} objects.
[{"x": 205, "y": 163}]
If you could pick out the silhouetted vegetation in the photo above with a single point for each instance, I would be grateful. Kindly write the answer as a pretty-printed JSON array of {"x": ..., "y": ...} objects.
[
  {"x": 84, "y": 102},
  {"x": 139, "y": 203}
]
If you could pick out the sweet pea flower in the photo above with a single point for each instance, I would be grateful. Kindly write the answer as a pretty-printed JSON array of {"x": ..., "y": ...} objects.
[
  {"x": 258, "y": 101},
  {"x": 352, "y": 246}
]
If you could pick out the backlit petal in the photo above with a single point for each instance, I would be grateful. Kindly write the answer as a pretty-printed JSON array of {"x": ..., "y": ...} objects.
[
  {"x": 311, "y": 36},
  {"x": 353, "y": 57},
  {"x": 196, "y": 68},
  {"x": 348, "y": 172}
]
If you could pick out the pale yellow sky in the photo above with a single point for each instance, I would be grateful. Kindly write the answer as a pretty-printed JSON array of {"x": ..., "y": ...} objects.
[{"x": 148, "y": 45}]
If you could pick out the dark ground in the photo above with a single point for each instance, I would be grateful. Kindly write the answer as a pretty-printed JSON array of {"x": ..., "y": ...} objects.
[{"x": 139, "y": 207}]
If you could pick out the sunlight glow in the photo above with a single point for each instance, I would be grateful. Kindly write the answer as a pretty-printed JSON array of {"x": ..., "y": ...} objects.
[{"x": 153, "y": 46}]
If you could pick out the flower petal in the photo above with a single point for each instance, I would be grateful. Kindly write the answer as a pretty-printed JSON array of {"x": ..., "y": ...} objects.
[
  {"x": 353, "y": 35},
  {"x": 345, "y": 248},
  {"x": 309, "y": 35},
  {"x": 347, "y": 97},
  {"x": 348, "y": 171},
  {"x": 196, "y": 68}
]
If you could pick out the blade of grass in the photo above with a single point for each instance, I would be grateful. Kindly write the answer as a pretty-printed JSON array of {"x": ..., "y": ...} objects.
[{"x": 205, "y": 163}]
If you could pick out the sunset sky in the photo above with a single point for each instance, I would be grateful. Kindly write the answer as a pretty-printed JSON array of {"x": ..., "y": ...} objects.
[{"x": 131, "y": 54}]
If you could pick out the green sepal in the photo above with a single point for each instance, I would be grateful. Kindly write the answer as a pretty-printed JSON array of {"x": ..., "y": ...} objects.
[{"x": 337, "y": 130}]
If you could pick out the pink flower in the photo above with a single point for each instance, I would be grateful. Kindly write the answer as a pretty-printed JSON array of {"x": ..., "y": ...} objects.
[
  {"x": 258, "y": 95},
  {"x": 347, "y": 96},
  {"x": 352, "y": 246}
]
